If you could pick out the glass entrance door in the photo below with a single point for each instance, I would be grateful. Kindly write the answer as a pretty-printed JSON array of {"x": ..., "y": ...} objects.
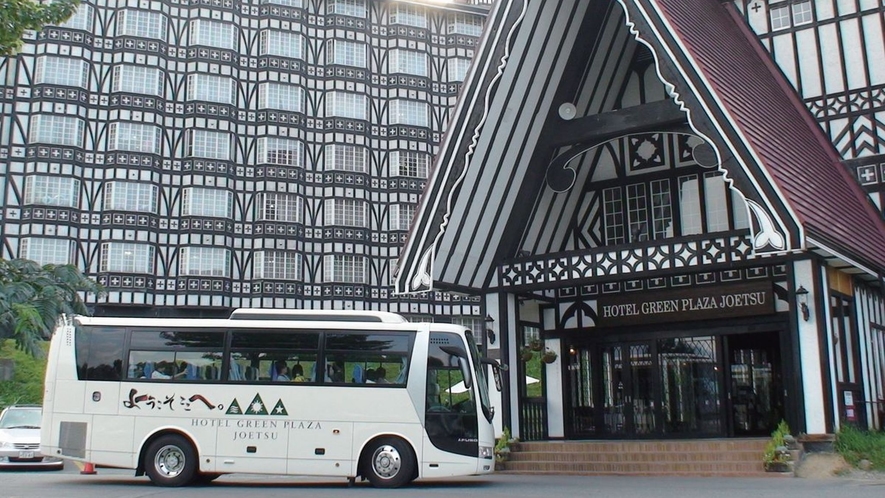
[
  {"x": 663, "y": 387},
  {"x": 628, "y": 390},
  {"x": 756, "y": 389}
]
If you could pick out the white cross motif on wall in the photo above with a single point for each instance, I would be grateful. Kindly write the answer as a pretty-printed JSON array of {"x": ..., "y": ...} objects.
[{"x": 867, "y": 174}]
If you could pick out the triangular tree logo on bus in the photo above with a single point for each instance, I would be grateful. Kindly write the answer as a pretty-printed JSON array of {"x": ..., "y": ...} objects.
[
  {"x": 256, "y": 407},
  {"x": 234, "y": 408},
  {"x": 279, "y": 408}
]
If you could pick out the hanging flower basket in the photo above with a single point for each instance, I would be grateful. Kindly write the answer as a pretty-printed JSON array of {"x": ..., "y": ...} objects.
[
  {"x": 526, "y": 354},
  {"x": 537, "y": 345},
  {"x": 549, "y": 356}
]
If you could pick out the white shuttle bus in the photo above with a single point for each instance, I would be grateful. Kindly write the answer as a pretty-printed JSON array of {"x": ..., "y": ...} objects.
[{"x": 324, "y": 393}]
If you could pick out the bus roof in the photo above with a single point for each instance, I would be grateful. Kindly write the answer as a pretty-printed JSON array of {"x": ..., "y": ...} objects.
[{"x": 317, "y": 315}]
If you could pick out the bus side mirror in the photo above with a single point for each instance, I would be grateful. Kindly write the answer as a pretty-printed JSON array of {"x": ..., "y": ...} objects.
[{"x": 497, "y": 368}]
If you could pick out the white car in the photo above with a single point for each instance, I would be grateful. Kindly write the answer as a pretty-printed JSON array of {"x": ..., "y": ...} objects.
[{"x": 20, "y": 439}]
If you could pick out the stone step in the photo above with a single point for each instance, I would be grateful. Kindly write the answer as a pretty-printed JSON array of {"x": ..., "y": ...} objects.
[
  {"x": 702, "y": 457},
  {"x": 682, "y": 456}
]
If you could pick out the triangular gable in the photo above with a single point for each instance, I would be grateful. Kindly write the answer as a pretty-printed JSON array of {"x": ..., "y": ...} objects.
[
  {"x": 736, "y": 79},
  {"x": 713, "y": 67}
]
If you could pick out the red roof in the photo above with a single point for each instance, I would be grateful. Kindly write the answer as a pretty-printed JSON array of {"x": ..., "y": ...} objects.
[{"x": 777, "y": 127}]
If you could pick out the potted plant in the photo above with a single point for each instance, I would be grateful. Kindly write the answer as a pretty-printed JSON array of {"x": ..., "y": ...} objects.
[
  {"x": 502, "y": 448},
  {"x": 776, "y": 457},
  {"x": 537, "y": 345},
  {"x": 526, "y": 354},
  {"x": 549, "y": 356}
]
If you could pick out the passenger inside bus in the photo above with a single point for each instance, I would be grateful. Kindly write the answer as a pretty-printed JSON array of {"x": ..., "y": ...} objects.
[
  {"x": 298, "y": 373},
  {"x": 166, "y": 370},
  {"x": 282, "y": 371}
]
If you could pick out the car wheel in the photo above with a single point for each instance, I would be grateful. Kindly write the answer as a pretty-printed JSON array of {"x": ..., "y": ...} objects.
[
  {"x": 170, "y": 461},
  {"x": 390, "y": 463}
]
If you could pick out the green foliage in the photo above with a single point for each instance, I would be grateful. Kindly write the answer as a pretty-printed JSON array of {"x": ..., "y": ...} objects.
[
  {"x": 855, "y": 445},
  {"x": 26, "y": 385},
  {"x": 16, "y": 16},
  {"x": 502, "y": 445},
  {"x": 776, "y": 449},
  {"x": 33, "y": 297}
]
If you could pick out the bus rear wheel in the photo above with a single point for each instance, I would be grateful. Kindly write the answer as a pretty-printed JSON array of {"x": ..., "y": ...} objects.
[
  {"x": 390, "y": 463},
  {"x": 171, "y": 461}
]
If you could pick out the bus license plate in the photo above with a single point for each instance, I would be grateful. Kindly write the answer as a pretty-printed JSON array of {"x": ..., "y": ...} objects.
[{"x": 26, "y": 454}]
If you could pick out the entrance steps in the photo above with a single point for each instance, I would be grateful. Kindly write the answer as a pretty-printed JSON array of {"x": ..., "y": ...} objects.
[{"x": 699, "y": 457}]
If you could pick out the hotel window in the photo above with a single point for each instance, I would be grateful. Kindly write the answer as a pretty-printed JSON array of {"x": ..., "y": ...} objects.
[
  {"x": 141, "y": 23},
  {"x": 130, "y": 196},
  {"x": 287, "y": 3},
  {"x": 409, "y": 163},
  {"x": 401, "y": 216},
  {"x": 281, "y": 44},
  {"x": 786, "y": 14},
  {"x": 280, "y": 151},
  {"x": 456, "y": 69},
  {"x": 134, "y": 137},
  {"x": 344, "y": 269},
  {"x": 211, "y": 88},
  {"x": 346, "y": 53},
  {"x": 126, "y": 257},
  {"x": 280, "y": 97},
  {"x": 277, "y": 265},
  {"x": 138, "y": 79},
  {"x": 212, "y": 34},
  {"x": 208, "y": 144},
  {"x": 61, "y": 71},
  {"x": 204, "y": 262},
  {"x": 408, "y": 62},
  {"x": 340, "y": 157},
  {"x": 214, "y": 202},
  {"x": 715, "y": 194},
  {"x": 353, "y": 8},
  {"x": 57, "y": 130},
  {"x": 408, "y": 15},
  {"x": 661, "y": 210},
  {"x": 279, "y": 206},
  {"x": 465, "y": 24},
  {"x": 52, "y": 191},
  {"x": 409, "y": 112},
  {"x": 690, "y": 217},
  {"x": 83, "y": 18},
  {"x": 345, "y": 212},
  {"x": 46, "y": 251},
  {"x": 476, "y": 325},
  {"x": 346, "y": 105}
]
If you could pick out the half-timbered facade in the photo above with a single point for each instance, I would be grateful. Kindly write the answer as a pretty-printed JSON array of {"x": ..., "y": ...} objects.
[
  {"x": 200, "y": 156},
  {"x": 663, "y": 197}
]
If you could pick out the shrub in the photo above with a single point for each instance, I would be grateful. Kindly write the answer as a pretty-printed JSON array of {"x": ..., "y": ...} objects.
[
  {"x": 27, "y": 383},
  {"x": 776, "y": 449},
  {"x": 855, "y": 445}
]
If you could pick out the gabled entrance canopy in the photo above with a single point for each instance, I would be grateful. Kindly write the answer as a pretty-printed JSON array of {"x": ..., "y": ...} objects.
[{"x": 547, "y": 87}]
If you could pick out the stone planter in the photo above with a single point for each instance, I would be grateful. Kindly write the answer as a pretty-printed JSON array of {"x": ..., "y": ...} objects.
[
  {"x": 779, "y": 467},
  {"x": 818, "y": 443}
]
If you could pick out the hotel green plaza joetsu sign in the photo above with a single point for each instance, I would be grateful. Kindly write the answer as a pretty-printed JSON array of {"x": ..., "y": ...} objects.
[{"x": 690, "y": 303}]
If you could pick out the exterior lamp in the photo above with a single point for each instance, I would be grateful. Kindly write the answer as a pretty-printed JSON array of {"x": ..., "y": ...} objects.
[
  {"x": 802, "y": 300},
  {"x": 489, "y": 332}
]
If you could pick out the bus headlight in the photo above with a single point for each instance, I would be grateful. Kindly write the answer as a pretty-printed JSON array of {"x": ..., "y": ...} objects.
[{"x": 486, "y": 452}]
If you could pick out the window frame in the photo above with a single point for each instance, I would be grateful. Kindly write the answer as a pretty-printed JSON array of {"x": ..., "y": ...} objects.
[
  {"x": 192, "y": 259},
  {"x": 43, "y": 250},
  {"x": 143, "y": 257},
  {"x": 50, "y": 187}
]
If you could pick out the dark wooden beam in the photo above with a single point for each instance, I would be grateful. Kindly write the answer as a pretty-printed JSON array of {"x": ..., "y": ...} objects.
[{"x": 654, "y": 116}]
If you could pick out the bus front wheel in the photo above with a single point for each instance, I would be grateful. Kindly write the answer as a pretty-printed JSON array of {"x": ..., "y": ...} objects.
[
  {"x": 170, "y": 461},
  {"x": 391, "y": 463}
]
